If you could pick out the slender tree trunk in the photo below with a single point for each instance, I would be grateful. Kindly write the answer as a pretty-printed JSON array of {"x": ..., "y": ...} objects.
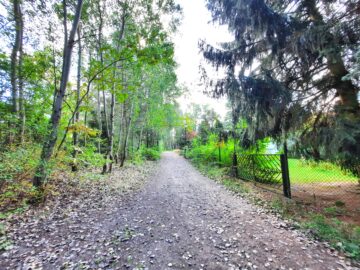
[
  {"x": 111, "y": 137},
  {"x": 104, "y": 113},
  {"x": 126, "y": 137},
  {"x": 15, "y": 68},
  {"x": 85, "y": 123},
  {"x": 22, "y": 114},
  {"x": 74, "y": 166},
  {"x": 147, "y": 138},
  {"x": 99, "y": 120},
  {"x": 112, "y": 106},
  {"x": 21, "y": 80},
  {"x": 140, "y": 138},
  {"x": 50, "y": 140},
  {"x": 121, "y": 127}
]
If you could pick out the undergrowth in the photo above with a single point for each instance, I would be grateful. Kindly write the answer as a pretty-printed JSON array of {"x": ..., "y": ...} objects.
[
  {"x": 18, "y": 164},
  {"x": 150, "y": 153}
]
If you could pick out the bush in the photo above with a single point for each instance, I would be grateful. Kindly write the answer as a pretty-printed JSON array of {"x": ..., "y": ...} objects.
[
  {"x": 150, "y": 153},
  {"x": 209, "y": 153},
  {"x": 137, "y": 158},
  {"x": 89, "y": 156},
  {"x": 18, "y": 163}
]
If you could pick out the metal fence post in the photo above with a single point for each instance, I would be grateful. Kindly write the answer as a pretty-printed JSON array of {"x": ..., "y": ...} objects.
[{"x": 285, "y": 175}]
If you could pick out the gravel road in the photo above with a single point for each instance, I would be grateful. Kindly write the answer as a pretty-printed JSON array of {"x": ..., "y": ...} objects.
[{"x": 178, "y": 220}]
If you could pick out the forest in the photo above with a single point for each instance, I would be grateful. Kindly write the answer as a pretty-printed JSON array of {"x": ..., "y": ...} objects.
[
  {"x": 91, "y": 90},
  {"x": 85, "y": 83}
]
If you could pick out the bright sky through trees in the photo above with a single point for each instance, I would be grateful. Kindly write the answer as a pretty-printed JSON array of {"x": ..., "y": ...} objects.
[{"x": 196, "y": 25}]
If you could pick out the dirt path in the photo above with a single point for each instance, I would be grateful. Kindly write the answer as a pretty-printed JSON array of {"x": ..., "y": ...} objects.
[{"x": 179, "y": 220}]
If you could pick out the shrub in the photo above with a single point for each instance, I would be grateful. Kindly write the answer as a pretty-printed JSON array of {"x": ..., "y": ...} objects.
[
  {"x": 150, "y": 154},
  {"x": 18, "y": 163},
  {"x": 137, "y": 158}
]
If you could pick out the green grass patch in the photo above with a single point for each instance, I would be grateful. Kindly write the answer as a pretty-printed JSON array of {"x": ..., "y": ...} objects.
[
  {"x": 334, "y": 211},
  {"x": 340, "y": 235},
  {"x": 302, "y": 171}
]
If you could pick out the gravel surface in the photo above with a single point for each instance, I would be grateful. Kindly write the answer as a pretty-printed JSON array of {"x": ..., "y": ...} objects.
[{"x": 178, "y": 220}]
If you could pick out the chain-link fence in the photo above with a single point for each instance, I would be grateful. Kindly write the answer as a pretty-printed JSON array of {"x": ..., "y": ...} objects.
[
  {"x": 319, "y": 183},
  {"x": 264, "y": 169},
  {"x": 324, "y": 183}
]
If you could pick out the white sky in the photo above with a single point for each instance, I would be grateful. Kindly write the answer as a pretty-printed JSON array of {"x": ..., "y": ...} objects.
[{"x": 196, "y": 25}]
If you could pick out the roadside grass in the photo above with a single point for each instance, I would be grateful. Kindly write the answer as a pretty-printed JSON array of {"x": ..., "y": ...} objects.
[
  {"x": 340, "y": 235},
  {"x": 302, "y": 172}
]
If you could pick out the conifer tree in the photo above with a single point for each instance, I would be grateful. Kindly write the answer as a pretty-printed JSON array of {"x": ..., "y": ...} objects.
[{"x": 288, "y": 71}]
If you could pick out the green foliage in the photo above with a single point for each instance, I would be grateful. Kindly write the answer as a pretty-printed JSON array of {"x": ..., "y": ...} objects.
[
  {"x": 18, "y": 163},
  {"x": 130, "y": 62},
  {"x": 137, "y": 158},
  {"x": 218, "y": 152},
  {"x": 150, "y": 153},
  {"x": 89, "y": 156},
  {"x": 334, "y": 211},
  {"x": 341, "y": 235}
]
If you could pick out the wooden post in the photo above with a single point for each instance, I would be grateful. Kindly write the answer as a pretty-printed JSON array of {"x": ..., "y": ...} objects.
[{"x": 285, "y": 175}]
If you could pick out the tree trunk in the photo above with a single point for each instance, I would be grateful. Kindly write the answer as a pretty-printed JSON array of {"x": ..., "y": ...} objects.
[
  {"x": 104, "y": 115},
  {"x": 22, "y": 114},
  {"x": 140, "y": 138},
  {"x": 85, "y": 123},
  {"x": 346, "y": 90},
  {"x": 126, "y": 137},
  {"x": 112, "y": 106},
  {"x": 111, "y": 135},
  {"x": 74, "y": 166},
  {"x": 53, "y": 126},
  {"x": 99, "y": 120},
  {"x": 21, "y": 80},
  {"x": 15, "y": 70},
  {"x": 347, "y": 109},
  {"x": 121, "y": 128}
]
